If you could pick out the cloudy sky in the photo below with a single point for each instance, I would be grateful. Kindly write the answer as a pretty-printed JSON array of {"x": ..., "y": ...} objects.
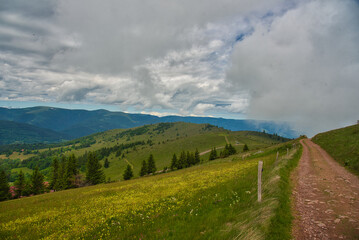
[{"x": 288, "y": 60}]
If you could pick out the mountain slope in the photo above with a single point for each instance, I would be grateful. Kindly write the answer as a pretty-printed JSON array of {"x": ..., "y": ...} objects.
[
  {"x": 78, "y": 123},
  {"x": 343, "y": 145},
  {"x": 13, "y": 132},
  {"x": 132, "y": 146}
]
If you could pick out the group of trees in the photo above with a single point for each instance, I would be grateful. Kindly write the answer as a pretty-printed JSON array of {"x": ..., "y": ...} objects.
[
  {"x": 148, "y": 166},
  {"x": 22, "y": 187},
  {"x": 185, "y": 160},
  {"x": 227, "y": 151},
  {"x": 94, "y": 171},
  {"x": 65, "y": 173}
]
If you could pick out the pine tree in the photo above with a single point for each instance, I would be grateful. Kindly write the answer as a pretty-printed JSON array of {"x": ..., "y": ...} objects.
[
  {"x": 4, "y": 186},
  {"x": 182, "y": 160},
  {"x": 245, "y": 148},
  {"x": 71, "y": 171},
  {"x": 27, "y": 189},
  {"x": 72, "y": 165},
  {"x": 54, "y": 174},
  {"x": 62, "y": 179},
  {"x": 213, "y": 154},
  {"x": 174, "y": 162},
  {"x": 144, "y": 169},
  {"x": 151, "y": 165},
  {"x": 20, "y": 184},
  {"x": 225, "y": 152},
  {"x": 37, "y": 182},
  {"x": 188, "y": 160},
  {"x": 94, "y": 172},
  {"x": 231, "y": 150},
  {"x": 197, "y": 158},
  {"x": 128, "y": 174},
  {"x": 106, "y": 163}
]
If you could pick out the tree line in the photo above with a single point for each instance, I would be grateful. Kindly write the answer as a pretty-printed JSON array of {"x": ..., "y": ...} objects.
[
  {"x": 65, "y": 172},
  {"x": 227, "y": 151}
]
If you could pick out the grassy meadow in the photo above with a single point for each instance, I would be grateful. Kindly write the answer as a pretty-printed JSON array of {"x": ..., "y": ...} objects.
[
  {"x": 215, "y": 200},
  {"x": 343, "y": 145},
  {"x": 161, "y": 140}
]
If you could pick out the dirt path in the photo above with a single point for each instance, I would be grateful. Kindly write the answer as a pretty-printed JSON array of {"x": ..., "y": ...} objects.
[
  {"x": 207, "y": 151},
  {"x": 226, "y": 139},
  {"x": 325, "y": 197},
  {"x": 128, "y": 162}
]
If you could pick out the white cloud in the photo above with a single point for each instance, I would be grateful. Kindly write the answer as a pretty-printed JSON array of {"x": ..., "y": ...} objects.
[
  {"x": 303, "y": 66},
  {"x": 286, "y": 60}
]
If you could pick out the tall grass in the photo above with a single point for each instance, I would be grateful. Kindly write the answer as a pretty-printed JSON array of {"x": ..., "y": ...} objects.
[{"x": 211, "y": 201}]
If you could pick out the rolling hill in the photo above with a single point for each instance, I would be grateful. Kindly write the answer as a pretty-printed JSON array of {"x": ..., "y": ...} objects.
[
  {"x": 78, "y": 123},
  {"x": 343, "y": 145},
  {"x": 13, "y": 132},
  {"x": 132, "y": 146}
]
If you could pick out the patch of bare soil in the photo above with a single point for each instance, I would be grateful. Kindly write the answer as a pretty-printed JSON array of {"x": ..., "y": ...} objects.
[{"x": 325, "y": 197}]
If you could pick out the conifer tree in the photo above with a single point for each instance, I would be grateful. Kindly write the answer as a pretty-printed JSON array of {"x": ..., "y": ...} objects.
[
  {"x": 225, "y": 152},
  {"x": 128, "y": 174},
  {"x": 245, "y": 148},
  {"x": 231, "y": 150},
  {"x": 71, "y": 171},
  {"x": 72, "y": 166},
  {"x": 174, "y": 162},
  {"x": 197, "y": 158},
  {"x": 94, "y": 172},
  {"x": 62, "y": 180},
  {"x": 20, "y": 184},
  {"x": 37, "y": 182},
  {"x": 182, "y": 160},
  {"x": 188, "y": 160},
  {"x": 27, "y": 188},
  {"x": 4, "y": 186},
  {"x": 144, "y": 169},
  {"x": 54, "y": 174},
  {"x": 106, "y": 163},
  {"x": 151, "y": 165},
  {"x": 213, "y": 154}
]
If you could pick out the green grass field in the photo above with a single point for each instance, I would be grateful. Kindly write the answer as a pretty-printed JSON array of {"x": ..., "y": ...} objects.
[
  {"x": 166, "y": 139},
  {"x": 343, "y": 145},
  {"x": 215, "y": 200}
]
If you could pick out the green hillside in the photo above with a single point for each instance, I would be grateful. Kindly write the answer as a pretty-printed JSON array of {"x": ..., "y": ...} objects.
[
  {"x": 343, "y": 145},
  {"x": 13, "y": 132},
  {"x": 132, "y": 146},
  {"x": 215, "y": 200}
]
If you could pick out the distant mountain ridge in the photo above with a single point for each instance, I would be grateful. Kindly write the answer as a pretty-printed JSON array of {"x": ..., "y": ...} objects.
[
  {"x": 14, "y": 132},
  {"x": 78, "y": 123}
]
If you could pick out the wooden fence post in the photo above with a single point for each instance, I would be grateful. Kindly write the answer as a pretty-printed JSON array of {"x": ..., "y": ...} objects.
[
  {"x": 276, "y": 160},
  {"x": 287, "y": 152},
  {"x": 260, "y": 166}
]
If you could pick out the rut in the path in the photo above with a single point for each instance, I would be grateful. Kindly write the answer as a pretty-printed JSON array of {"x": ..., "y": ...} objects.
[{"x": 325, "y": 197}]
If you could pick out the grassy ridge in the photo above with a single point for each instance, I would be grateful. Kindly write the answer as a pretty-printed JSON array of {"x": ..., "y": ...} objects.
[
  {"x": 343, "y": 145},
  {"x": 216, "y": 200},
  {"x": 162, "y": 140}
]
